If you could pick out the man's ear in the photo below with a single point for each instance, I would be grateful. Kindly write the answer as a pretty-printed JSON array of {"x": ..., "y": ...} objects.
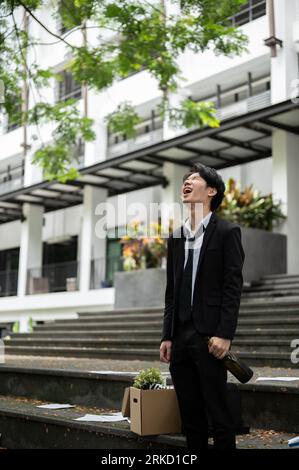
[{"x": 214, "y": 191}]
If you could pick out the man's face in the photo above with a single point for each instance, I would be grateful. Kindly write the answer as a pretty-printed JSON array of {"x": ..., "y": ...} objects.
[{"x": 195, "y": 189}]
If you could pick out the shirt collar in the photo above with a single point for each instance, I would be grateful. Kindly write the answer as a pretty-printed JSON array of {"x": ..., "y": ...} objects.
[{"x": 187, "y": 226}]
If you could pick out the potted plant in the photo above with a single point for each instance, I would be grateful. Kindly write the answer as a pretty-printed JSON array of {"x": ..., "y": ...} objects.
[
  {"x": 147, "y": 379},
  {"x": 142, "y": 283},
  {"x": 258, "y": 215},
  {"x": 140, "y": 251},
  {"x": 249, "y": 208}
]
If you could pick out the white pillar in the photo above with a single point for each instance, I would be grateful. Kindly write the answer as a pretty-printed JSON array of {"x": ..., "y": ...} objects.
[
  {"x": 91, "y": 247},
  {"x": 285, "y": 187},
  {"x": 284, "y": 67},
  {"x": 172, "y": 193},
  {"x": 31, "y": 248}
]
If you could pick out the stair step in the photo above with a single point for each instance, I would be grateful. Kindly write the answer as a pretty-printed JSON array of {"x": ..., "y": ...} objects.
[
  {"x": 121, "y": 311},
  {"x": 264, "y": 332},
  {"x": 292, "y": 311},
  {"x": 140, "y": 354},
  {"x": 284, "y": 301},
  {"x": 89, "y": 334},
  {"x": 97, "y": 325},
  {"x": 267, "y": 358},
  {"x": 280, "y": 276},
  {"x": 273, "y": 282},
  {"x": 259, "y": 346},
  {"x": 24, "y": 426},
  {"x": 90, "y": 343},
  {"x": 113, "y": 318},
  {"x": 271, "y": 293},
  {"x": 273, "y": 321},
  {"x": 272, "y": 287}
]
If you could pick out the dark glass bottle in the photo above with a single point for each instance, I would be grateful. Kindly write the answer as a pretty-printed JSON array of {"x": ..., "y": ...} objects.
[{"x": 238, "y": 368}]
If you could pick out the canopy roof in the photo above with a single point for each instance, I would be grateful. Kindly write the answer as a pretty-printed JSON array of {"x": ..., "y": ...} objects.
[{"x": 240, "y": 139}]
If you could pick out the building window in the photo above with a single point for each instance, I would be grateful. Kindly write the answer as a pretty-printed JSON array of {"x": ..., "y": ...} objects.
[
  {"x": 68, "y": 88},
  {"x": 11, "y": 177},
  {"x": 249, "y": 12}
]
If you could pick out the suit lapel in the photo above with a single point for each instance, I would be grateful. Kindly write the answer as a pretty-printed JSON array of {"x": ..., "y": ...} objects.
[
  {"x": 180, "y": 250},
  {"x": 208, "y": 233}
]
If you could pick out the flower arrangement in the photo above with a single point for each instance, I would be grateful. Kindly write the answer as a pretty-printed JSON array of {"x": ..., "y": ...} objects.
[
  {"x": 140, "y": 251},
  {"x": 249, "y": 208}
]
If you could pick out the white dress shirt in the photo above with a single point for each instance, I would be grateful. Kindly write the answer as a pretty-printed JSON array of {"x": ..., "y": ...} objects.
[{"x": 194, "y": 240}]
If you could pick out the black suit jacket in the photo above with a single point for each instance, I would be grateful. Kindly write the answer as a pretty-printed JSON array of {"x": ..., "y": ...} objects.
[{"x": 218, "y": 284}]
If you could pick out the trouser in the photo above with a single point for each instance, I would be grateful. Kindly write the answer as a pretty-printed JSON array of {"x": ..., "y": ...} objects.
[{"x": 200, "y": 380}]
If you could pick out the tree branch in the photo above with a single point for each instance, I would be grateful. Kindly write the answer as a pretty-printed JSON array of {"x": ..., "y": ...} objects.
[{"x": 45, "y": 27}]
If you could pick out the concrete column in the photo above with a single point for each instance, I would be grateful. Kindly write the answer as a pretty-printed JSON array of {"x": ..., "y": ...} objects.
[
  {"x": 284, "y": 67},
  {"x": 284, "y": 70},
  {"x": 285, "y": 187},
  {"x": 91, "y": 247},
  {"x": 172, "y": 194},
  {"x": 31, "y": 248}
]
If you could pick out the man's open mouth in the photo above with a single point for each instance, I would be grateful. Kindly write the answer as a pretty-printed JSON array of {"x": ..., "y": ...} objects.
[{"x": 187, "y": 190}]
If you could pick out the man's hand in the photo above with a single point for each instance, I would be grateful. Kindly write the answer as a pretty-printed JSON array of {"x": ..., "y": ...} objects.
[
  {"x": 165, "y": 351},
  {"x": 219, "y": 346}
]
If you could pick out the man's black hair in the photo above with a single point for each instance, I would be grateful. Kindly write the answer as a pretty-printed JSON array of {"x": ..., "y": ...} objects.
[{"x": 212, "y": 178}]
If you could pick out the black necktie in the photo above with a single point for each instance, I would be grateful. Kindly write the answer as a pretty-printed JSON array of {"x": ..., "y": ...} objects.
[{"x": 186, "y": 287}]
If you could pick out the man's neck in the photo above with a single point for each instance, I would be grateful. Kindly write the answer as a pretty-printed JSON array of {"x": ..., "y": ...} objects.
[{"x": 195, "y": 219}]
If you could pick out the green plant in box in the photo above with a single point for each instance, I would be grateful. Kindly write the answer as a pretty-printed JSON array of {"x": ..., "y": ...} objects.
[{"x": 148, "y": 377}]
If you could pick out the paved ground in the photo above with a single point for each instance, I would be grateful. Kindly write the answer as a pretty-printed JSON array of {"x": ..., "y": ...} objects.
[{"x": 86, "y": 364}]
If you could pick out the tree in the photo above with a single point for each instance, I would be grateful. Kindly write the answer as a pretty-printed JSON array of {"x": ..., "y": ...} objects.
[{"x": 145, "y": 34}]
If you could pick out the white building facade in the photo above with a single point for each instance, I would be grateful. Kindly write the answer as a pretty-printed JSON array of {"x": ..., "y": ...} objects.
[{"x": 52, "y": 264}]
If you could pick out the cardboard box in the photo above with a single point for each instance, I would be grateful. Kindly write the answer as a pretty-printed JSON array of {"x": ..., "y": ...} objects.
[
  {"x": 125, "y": 409},
  {"x": 154, "y": 412}
]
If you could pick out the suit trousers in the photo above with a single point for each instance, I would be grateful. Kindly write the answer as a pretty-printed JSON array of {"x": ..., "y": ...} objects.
[{"x": 200, "y": 382}]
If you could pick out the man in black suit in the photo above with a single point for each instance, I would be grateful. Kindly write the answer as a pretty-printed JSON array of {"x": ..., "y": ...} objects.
[{"x": 202, "y": 298}]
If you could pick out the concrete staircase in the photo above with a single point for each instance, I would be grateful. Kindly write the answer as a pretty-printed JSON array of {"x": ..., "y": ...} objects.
[{"x": 268, "y": 322}]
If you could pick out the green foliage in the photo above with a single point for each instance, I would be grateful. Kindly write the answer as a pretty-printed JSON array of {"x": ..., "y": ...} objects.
[
  {"x": 56, "y": 157},
  {"x": 90, "y": 66},
  {"x": 192, "y": 113},
  {"x": 30, "y": 324},
  {"x": 16, "y": 327},
  {"x": 148, "y": 377},
  {"x": 123, "y": 120},
  {"x": 74, "y": 12},
  {"x": 248, "y": 208}
]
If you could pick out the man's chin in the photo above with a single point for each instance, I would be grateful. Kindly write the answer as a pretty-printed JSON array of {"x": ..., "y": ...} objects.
[{"x": 190, "y": 200}]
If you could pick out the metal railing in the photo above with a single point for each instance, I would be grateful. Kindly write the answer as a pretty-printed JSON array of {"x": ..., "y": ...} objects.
[
  {"x": 55, "y": 277},
  {"x": 12, "y": 177},
  {"x": 102, "y": 271},
  {"x": 252, "y": 10},
  {"x": 8, "y": 283},
  {"x": 252, "y": 103},
  {"x": 147, "y": 127}
]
